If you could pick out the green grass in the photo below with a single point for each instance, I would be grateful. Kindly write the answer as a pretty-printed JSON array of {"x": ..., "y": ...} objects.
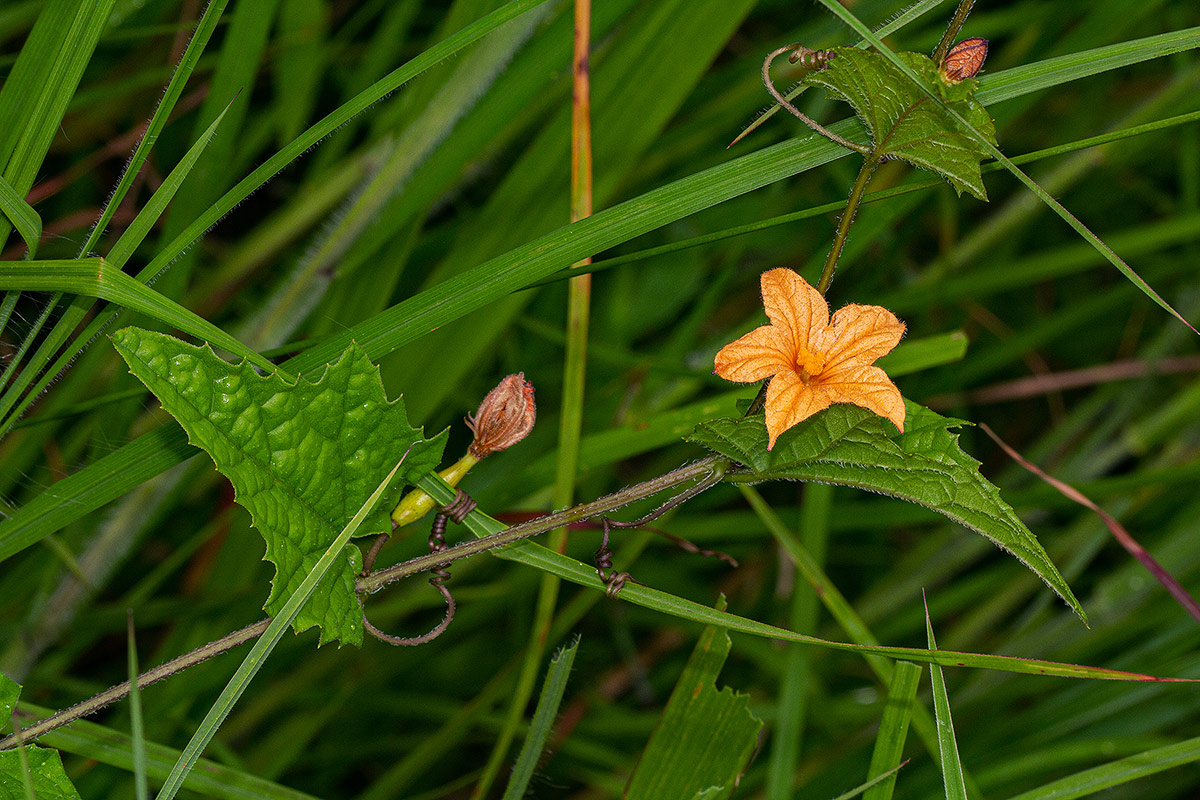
[{"x": 398, "y": 174}]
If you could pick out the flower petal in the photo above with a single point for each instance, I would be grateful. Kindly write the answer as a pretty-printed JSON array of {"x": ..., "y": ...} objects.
[
  {"x": 795, "y": 306},
  {"x": 859, "y": 335},
  {"x": 759, "y": 354},
  {"x": 865, "y": 386},
  {"x": 790, "y": 401}
]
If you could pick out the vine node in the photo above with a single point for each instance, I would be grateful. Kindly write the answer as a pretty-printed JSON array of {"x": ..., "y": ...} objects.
[{"x": 456, "y": 510}]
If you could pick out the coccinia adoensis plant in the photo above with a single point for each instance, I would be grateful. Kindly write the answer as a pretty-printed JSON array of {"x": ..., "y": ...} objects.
[{"x": 304, "y": 454}]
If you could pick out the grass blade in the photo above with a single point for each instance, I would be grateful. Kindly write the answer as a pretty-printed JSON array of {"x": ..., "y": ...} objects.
[
  {"x": 705, "y": 736},
  {"x": 871, "y": 197},
  {"x": 22, "y": 217},
  {"x": 137, "y": 729},
  {"x": 543, "y": 720},
  {"x": 137, "y": 231},
  {"x": 331, "y": 122},
  {"x": 535, "y": 555},
  {"x": 893, "y": 730},
  {"x": 952, "y": 773},
  {"x": 75, "y": 314},
  {"x": 890, "y": 775},
  {"x": 107, "y": 746},
  {"x": 1056, "y": 71},
  {"x": 42, "y": 83},
  {"x": 94, "y": 277},
  {"x": 263, "y": 647},
  {"x": 1117, "y": 773},
  {"x": 792, "y": 711},
  {"x": 174, "y": 90}
]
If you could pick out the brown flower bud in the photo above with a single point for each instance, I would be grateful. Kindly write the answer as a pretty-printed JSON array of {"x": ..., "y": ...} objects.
[
  {"x": 505, "y": 416},
  {"x": 964, "y": 60}
]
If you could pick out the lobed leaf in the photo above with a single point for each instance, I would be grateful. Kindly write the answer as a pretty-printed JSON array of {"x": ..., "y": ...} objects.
[
  {"x": 850, "y": 446},
  {"x": 302, "y": 456},
  {"x": 902, "y": 121}
]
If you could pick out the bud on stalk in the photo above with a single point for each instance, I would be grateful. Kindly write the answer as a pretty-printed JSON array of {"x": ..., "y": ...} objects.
[{"x": 505, "y": 417}]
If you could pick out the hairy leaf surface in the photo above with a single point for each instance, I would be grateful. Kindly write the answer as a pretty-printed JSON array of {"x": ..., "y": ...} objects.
[
  {"x": 302, "y": 457},
  {"x": 850, "y": 446},
  {"x": 906, "y": 124},
  {"x": 49, "y": 780}
]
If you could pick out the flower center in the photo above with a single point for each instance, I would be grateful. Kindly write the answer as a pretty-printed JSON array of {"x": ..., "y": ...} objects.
[{"x": 809, "y": 364}]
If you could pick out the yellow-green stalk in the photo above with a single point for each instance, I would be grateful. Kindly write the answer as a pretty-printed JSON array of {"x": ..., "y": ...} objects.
[
  {"x": 505, "y": 417},
  {"x": 417, "y": 504}
]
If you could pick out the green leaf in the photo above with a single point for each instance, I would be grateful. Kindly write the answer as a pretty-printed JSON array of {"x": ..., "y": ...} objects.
[
  {"x": 302, "y": 456},
  {"x": 42, "y": 765},
  {"x": 986, "y": 138},
  {"x": 902, "y": 121},
  {"x": 705, "y": 737},
  {"x": 288, "y": 613},
  {"x": 850, "y": 446}
]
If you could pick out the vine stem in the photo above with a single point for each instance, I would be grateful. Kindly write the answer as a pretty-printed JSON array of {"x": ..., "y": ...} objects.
[
  {"x": 699, "y": 469},
  {"x": 121, "y": 690},
  {"x": 847, "y": 219},
  {"x": 956, "y": 23},
  {"x": 807, "y": 120},
  {"x": 703, "y": 469}
]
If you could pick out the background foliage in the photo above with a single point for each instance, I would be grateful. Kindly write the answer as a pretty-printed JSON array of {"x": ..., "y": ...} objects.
[{"x": 466, "y": 166}]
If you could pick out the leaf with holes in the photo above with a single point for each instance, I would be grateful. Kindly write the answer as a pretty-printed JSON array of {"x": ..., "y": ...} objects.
[
  {"x": 302, "y": 457},
  {"x": 903, "y": 122},
  {"x": 850, "y": 446},
  {"x": 42, "y": 768}
]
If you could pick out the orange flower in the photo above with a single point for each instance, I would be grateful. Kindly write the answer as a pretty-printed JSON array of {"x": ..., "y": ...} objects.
[{"x": 813, "y": 361}]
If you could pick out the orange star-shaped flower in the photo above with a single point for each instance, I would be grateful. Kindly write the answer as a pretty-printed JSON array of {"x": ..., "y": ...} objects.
[{"x": 813, "y": 361}]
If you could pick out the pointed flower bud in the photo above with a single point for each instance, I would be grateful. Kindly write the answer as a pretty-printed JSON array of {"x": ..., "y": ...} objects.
[
  {"x": 505, "y": 417},
  {"x": 964, "y": 60}
]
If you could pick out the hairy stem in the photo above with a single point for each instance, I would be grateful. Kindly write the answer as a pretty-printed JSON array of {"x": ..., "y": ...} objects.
[
  {"x": 699, "y": 469},
  {"x": 704, "y": 469},
  {"x": 843, "y": 229},
  {"x": 118, "y": 692},
  {"x": 807, "y": 120},
  {"x": 956, "y": 23}
]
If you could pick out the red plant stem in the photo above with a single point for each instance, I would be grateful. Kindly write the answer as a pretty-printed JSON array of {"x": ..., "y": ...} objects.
[{"x": 1119, "y": 533}]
